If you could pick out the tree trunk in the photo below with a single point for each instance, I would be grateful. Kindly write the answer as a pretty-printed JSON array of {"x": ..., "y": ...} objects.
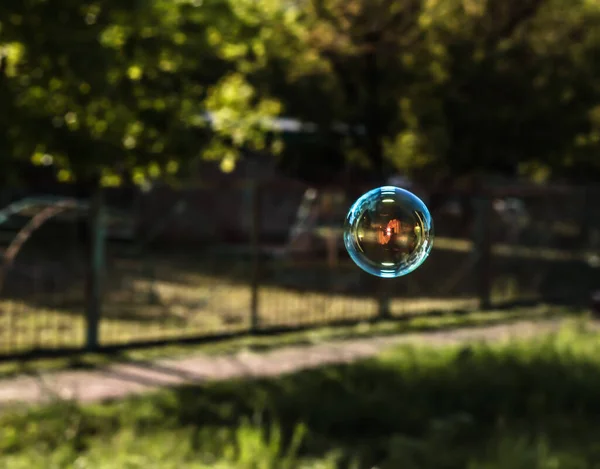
[{"x": 372, "y": 118}]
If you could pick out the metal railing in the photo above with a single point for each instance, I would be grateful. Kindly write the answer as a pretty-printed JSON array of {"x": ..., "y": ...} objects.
[{"x": 59, "y": 299}]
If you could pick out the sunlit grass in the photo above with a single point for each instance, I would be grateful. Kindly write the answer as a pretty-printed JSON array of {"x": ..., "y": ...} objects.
[
  {"x": 363, "y": 329},
  {"x": 141, "y": 309}
]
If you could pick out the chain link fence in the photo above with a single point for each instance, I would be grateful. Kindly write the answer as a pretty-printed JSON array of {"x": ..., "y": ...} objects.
[{"x": 187, "y": 265}]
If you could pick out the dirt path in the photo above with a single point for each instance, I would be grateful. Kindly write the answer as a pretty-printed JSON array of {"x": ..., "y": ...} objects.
[{"x": 120, "y": 380}]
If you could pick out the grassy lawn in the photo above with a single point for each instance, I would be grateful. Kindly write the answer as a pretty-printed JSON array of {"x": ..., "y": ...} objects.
[{"x": 519, "y": 405}]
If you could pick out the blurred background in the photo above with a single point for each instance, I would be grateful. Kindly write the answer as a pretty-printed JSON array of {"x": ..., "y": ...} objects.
[{"x": 176, "y": 170}]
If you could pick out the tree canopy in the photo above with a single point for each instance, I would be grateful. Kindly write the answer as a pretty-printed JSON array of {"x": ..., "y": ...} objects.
[
  {"x": 126, "y": 85},
  {"x": 144, "y": 87}
]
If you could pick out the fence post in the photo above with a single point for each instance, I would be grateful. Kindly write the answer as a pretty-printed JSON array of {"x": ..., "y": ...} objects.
[
  {"x": 96, "y": 254},
  {"x": 255, "y": 228},
  {"x": 585, "y": 226},
  {"x": 383, "y": 300},
  {"x": 483, "y": 249}
]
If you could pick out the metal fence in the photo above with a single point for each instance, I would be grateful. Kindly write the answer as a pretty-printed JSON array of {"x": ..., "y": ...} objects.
[{"x": 256, "y": 258}]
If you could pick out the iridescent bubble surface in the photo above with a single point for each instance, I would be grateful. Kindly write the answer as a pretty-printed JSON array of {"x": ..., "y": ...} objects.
[{"x": 388, "y": 232}]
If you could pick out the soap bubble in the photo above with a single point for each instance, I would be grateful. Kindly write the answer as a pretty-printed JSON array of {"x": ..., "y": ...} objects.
[{"x": 388, "y": 232}]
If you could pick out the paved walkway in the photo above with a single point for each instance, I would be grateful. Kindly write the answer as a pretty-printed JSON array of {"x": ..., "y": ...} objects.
[{"x": 120, "y": 380}]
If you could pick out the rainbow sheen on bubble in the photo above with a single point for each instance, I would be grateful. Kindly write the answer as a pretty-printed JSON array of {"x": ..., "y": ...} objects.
[{"x": 388, "y": 232}]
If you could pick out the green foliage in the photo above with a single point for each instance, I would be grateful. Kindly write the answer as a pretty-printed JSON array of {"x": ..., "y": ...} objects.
[
  {"x": 122, "y": 85},
  {"x": 519, "y": 92},
  {"x": 517, "y": 405},
  {"x": 444, "y": 86},
  {"x": 454, "y": 86}
]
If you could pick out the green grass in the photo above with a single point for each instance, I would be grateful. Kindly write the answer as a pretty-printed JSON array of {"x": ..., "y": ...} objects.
[{"x": 521, "y": 405}]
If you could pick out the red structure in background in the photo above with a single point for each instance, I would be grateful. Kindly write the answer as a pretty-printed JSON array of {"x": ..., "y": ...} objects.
[{"x": 384, "y": 236}]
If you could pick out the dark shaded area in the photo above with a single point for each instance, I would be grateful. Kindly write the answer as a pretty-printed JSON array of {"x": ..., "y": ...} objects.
[{"x": 458, "y": 405}]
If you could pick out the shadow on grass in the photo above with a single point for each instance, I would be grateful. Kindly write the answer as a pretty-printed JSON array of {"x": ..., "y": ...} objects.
[
  {"x": 445, "y": 274},
  {"x": 419, "y": 409},
  {"x": 520, "y": 406},
  {"x": 441, "y": 277}
]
